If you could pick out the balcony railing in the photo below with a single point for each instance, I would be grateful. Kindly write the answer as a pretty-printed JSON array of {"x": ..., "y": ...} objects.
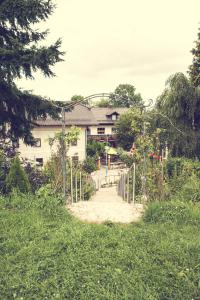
[{"x": 102, "y": 137}]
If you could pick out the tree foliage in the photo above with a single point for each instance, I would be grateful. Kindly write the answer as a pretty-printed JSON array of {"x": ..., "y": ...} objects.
[
  {"x": 17, "y": 178},
  {"x": 72, "y": 135},
  {"x": 21, "y": 56},
  {"x": 177, "y": 111},
  {"x": 128, "y": 126},
  {"x": 79, "y": 98},
  {"x": 95, "y": 148},
  {"x": 103, "y": 102},
  {"x": 125, "y": 96},
  {"x": 194, "y": 69}
]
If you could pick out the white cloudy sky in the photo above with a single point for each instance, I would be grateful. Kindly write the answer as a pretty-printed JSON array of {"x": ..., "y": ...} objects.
[{"x": 108, "y": 42}]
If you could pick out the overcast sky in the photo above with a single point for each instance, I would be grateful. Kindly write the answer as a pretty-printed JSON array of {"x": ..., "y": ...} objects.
[{"x": 108, "y": 42}]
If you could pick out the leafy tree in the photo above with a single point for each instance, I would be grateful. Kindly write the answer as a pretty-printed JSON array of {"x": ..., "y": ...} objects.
[
  {"x": 89, "y": 165},
  {"x": 128, "y": 127},
  {"x": 177, "y": 111},
  {"x": 95, "y": 148},
  {"x": 103, "y": 102},
  {"x": 125, "y": 96},
  {"x": 17, "y": 177},
  {"x": 21, "y": 56},
  {"x": 77, "y": 98},
  {"x": 194, "y": 69},
  {"x": 70, "y": 136}
]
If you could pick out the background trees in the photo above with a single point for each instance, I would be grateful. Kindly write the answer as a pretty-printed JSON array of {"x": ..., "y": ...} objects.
[
  {"x": 125, "y": 96},
  {"x": 127, "y": 127},
  {"x": 177, "y": 111},
  {"x": 194, "y": 69},
  {"x": 21, "y": 56},
  {"x": 78, "y": 98}
]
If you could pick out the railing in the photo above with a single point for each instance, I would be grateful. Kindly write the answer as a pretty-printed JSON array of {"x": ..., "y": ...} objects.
[
  {"x": 79, "y": 186},
  {"x": 126, "y": 185},
  {"x": 102, "y": 137},
  {"x": 106, "y": 181}
]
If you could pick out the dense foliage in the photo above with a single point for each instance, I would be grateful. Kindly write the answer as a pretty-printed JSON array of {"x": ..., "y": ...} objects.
[
  {"x": 90, "y": 165},
  {"x": 17, "y": 178},
  {"x": 21, "y": 55},
  {"x": 95, "y": 148},
  {"x": 128, "y": 126},
  {"x": 177, "y": 112},
  {"x": 46, "y": 254},
  {"x": 125, "y": 96},
  {"x": 194, "y": 70}
]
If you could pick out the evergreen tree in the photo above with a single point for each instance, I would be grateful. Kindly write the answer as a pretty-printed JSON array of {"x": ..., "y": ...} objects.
[
  {"x": 17, "y": 177},
  {"x": 194, "y": 70},
  {"x": 21, "y": 56}
]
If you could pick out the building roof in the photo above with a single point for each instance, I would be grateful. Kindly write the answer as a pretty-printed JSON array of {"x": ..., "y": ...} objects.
[
  {"x": 102, "y": 114},
  {"x": 82, "y": 115}
]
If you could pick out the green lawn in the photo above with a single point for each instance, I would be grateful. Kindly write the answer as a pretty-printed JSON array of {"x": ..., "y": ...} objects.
[{"x": 47, "y": 254}]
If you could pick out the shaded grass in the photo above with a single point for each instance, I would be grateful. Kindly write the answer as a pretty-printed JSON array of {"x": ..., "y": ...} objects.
[{"x": 47, "y": 254}]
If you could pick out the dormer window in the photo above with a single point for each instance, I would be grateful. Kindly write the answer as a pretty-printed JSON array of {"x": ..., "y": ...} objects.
[{"x": 114, "y": 117}]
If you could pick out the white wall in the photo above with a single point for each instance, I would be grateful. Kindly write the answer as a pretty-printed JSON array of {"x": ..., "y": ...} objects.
[{"x": 45, "y": 150}]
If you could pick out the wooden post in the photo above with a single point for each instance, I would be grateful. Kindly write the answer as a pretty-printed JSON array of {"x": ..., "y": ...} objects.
[
  {"x": 133, "y": 183},
  {"x": 71, "y": 180},
  {"x": 124, "y": 186},
  {"x": 128, "y": 181},
  {"x": 76, "y": 187},
  {"x": 80, "y": 191}
]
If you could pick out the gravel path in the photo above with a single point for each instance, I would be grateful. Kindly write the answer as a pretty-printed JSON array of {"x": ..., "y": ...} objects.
[{"x": 106, "y": 205}]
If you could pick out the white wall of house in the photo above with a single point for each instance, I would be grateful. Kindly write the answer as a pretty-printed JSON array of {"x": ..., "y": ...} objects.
[
  {"x": 45, "y": 151},
  {"x": 108, "y": 129}
]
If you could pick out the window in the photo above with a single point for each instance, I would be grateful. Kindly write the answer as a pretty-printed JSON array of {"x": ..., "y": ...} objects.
[
  {"x": 75, "y": 159},
  {"x": 114, "y": 117},
  {"x": 100, "y": 130},
  {"x": 74, "y": 143},
  {"x": 39, "y": 162},
  {"x": 37, "y": 142}
]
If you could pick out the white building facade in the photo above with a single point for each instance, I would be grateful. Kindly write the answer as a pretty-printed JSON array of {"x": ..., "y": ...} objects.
[{"x": 94, "y": 123}]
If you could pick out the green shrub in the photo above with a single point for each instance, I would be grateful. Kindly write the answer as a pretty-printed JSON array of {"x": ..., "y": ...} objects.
[
  {"x": 17, "y": 200},
  {"x": 172, "y": 211},
  {"x": 47, "y": 199},
  {"x": 89, "y": 165},
  {"x": 95, "y": 148},
  {"x": 126, "y": 158},
  {"x": 17, "y": 177},
  {"x": 190, "y": 191}
]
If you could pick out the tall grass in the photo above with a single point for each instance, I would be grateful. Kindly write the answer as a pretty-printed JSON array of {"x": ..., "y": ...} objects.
[{"x": 47, "y": 254}]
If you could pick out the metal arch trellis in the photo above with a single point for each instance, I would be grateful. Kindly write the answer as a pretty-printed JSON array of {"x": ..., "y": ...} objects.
[
  {"x": 69, "y": 105},
  {"x": 63, "y": 109}
]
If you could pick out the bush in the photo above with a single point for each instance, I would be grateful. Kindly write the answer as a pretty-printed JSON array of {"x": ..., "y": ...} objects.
[
  {"x": 17, "y": 200},
  {"x": 95, "y": 149},
  {"x": 4, "y": 168},
  {"x": 36, "y": 177},
  {"x": 17, "y": 178},
  {"x": 89, "y": 165},
  {"x": 172, "y": 211},
  {"x": 126, "y": 158},
  {"x": 190, "y": 191}
]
